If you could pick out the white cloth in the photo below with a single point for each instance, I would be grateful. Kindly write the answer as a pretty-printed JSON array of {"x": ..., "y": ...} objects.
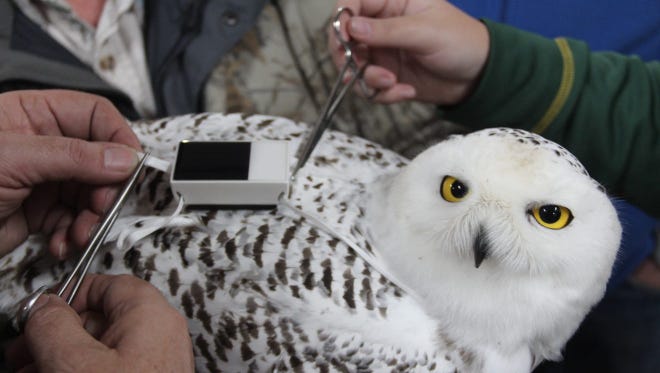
[{"x": 114, "y": 49}]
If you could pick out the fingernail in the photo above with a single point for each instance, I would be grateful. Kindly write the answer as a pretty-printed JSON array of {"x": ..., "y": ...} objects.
[
  {"x": 408, "y": 92},
  {"x": 386, "y": 81},
  {"x": 61, "y": 251},
  {"x": 360, "y": 27},
  {"x": 119, "y": 159}
]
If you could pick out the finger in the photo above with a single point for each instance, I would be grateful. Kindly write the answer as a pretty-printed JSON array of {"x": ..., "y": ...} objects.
[
  {"x": 384, "y": 82},
  {"x": 378, "y": 77},
  {"x": 56, "y": 224},
  {"x": 82, "y": 228},
  {"x": 97, "y": 199},
  {"x": 647, "y": 274},
  {"x": 32, "y": 160},
  {"x": 359, "y": 57},
  {"x": 73, "y": 232},
  {"x": 335, "y": 46},
  {"x": 396, "y": 93},
  {"x": 101, "y": 198},
  {"x": 43, "y": 207},
  {"x": 354, "y": 5},
  {"x": 407, "y": 32},
  {"x": 115, "y": 296},
  {"x": 56, "y": 219},
  {"x": 76, "y": 114},
  {"x": 379, "y": 8},
  {"x": 367, "y": 8},
  {"x": 54, "y": 335},
  {"x": 94, "y": 323},
  {"x": 60, "y": 246},
  {"x": 13, "y": 231},
  {"x": 137, "y": 314}
]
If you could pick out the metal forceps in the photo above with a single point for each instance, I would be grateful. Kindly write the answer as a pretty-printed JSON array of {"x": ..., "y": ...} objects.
[
  {"x": 336, "y": 94},
  {"x": 82, "y": 266}
]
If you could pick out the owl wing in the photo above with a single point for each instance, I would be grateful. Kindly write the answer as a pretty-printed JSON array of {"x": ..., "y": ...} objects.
[{"x": 267, "y": 289}]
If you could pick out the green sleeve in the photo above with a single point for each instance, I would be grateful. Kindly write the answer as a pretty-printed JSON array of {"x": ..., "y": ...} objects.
[{"x": 603, "y": 107}]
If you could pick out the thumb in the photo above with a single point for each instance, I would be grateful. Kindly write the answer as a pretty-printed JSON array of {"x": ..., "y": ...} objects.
[
  {"x": 36, "y": 159},
  {"x": 55, "y": 336},
  {"x": 402, "y": 32}
]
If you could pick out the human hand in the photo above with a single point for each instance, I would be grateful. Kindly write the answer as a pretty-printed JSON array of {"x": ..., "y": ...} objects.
[
  {"x": 647, "y": 274},
  {"x": 426, "y": 50},
  {"x": 61, "y": 155},
  {"x": 117, "y": 324}
]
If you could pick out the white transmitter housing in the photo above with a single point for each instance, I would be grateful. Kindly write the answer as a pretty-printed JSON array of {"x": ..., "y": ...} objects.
[{"x": 239, "y": 174}]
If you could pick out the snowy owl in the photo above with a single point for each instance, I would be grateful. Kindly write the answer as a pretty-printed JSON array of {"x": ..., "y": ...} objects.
[
  {"x": 371, "y": 264},
  {"x": 503, "y": 236}
]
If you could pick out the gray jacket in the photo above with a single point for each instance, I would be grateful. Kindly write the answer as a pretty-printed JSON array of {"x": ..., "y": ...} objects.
[{"x": 184, "y": 40}]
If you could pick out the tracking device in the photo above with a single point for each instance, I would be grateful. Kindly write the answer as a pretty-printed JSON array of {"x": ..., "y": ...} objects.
[{"x": 237, "y": 174}]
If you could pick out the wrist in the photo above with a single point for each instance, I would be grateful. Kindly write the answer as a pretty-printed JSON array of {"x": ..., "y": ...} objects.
[{"x": 519, "y": 82}]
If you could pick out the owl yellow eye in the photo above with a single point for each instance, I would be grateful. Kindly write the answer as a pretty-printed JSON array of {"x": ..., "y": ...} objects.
[
  {"x": 452, "y": 190},
  {"x": 552, "y": 216}
]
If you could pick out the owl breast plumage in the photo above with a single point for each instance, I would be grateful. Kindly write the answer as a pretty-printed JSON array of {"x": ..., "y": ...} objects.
[{"x": 367, "y": 266}]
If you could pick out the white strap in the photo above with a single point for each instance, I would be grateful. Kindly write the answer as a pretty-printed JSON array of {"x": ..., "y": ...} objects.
[
  {"x": 368, "y": 257},
  {"x": 130, "y": 234},
  {"x": 129, "y": 230},
  {"x": 157, "y": 163}
]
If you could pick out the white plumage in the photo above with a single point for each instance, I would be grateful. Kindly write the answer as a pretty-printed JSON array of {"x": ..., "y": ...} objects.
[
  {"x": 366, "y": 267},
  {"x": 536, "y": 284}
]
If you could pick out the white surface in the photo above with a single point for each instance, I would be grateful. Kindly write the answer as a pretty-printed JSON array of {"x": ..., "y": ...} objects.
[{"x": 268, "y": 177}]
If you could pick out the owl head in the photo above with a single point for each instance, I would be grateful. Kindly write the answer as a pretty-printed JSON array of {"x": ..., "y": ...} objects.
[{"x": 502, "y": 232}]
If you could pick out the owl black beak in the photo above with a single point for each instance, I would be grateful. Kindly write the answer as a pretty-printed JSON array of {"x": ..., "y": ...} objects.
[{"x": 480, "y": 247}]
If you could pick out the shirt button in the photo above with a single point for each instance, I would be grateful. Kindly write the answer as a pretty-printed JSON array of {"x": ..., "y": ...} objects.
[
  {"x": 230, "y": 18},
  {"x": 107, "y": 62}
]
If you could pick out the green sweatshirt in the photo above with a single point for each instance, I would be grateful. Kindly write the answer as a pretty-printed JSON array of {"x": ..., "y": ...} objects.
[{"x": 603, "y": 107}]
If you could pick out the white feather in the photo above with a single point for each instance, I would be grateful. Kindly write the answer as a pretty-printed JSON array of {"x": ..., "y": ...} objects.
[{"x": 366, "y": 267}]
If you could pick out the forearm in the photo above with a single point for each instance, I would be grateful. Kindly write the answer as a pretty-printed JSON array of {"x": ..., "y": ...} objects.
[{"x": 604, "y": 107}]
